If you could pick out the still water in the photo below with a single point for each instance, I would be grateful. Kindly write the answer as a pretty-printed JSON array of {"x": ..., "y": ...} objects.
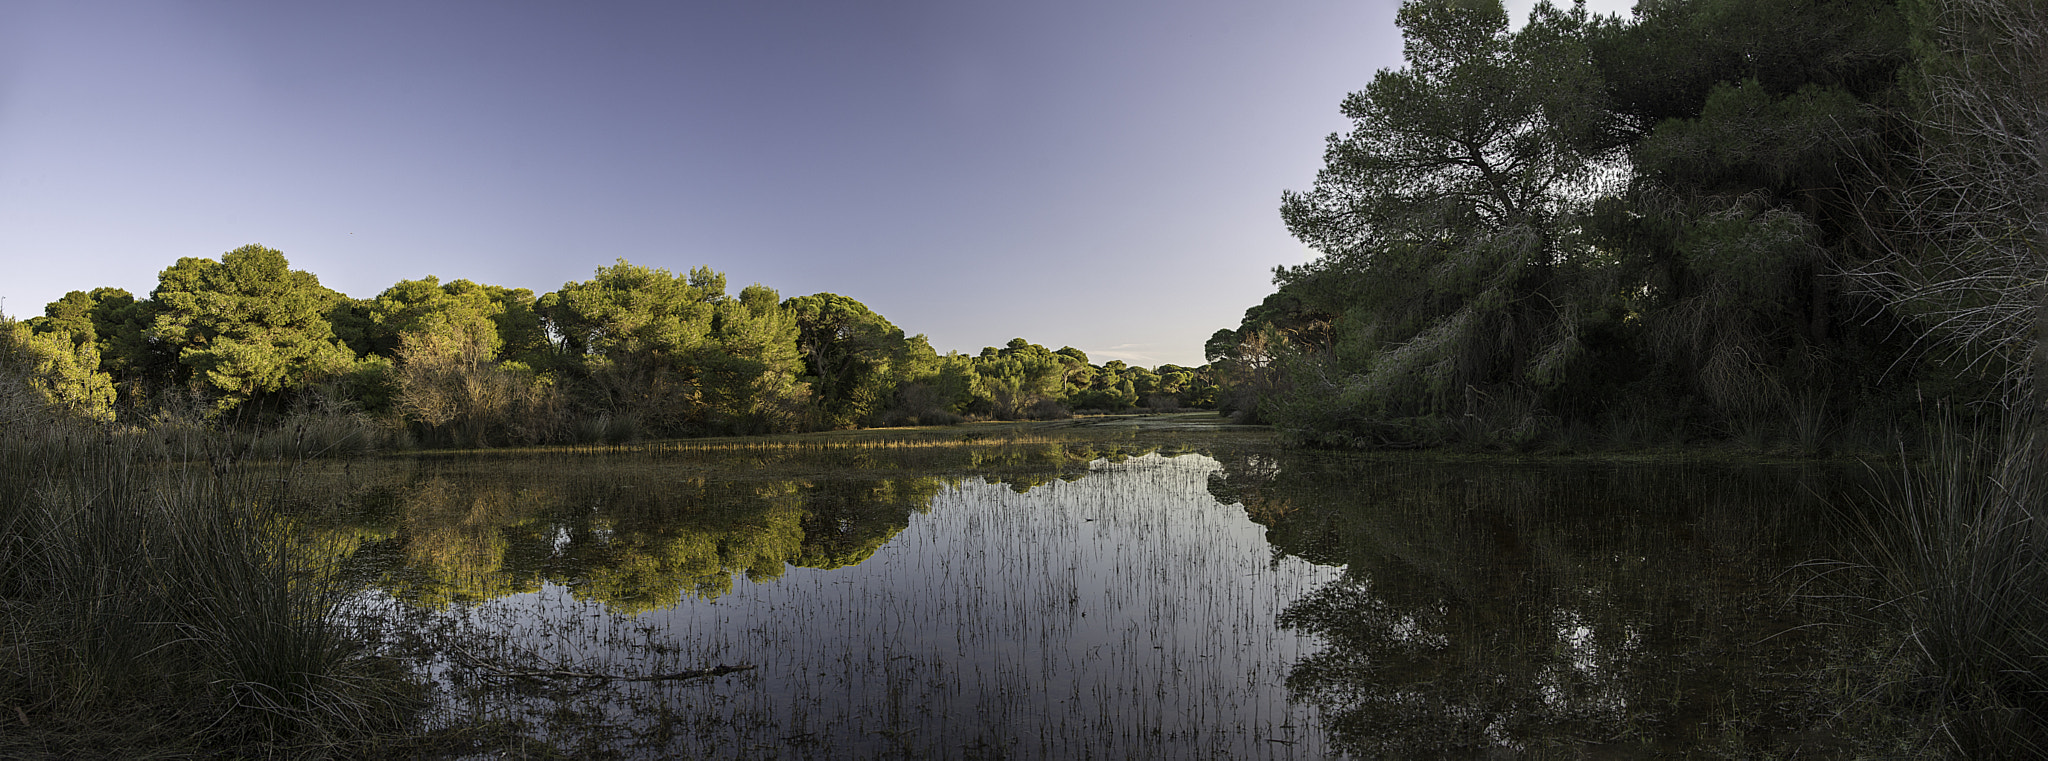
[{"x": 1102, "y": 599}]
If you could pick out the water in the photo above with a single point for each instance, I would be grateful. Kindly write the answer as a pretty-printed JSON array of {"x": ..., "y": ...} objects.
[
  {"x": 1575, "y": 611},
  {"x": 1082, "y": 600}
]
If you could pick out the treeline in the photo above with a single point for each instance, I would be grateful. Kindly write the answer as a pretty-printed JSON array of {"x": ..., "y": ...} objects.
[
  {"x": 633, "y": 352},
  {"x": 1787, "y": 223}
]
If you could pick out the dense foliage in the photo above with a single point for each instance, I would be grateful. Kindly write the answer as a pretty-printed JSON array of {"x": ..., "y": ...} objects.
[
  {"x": 633, "y": 352},
  {"x": 1715, "y": 219},
  {"x": 1791, "y": 224}
]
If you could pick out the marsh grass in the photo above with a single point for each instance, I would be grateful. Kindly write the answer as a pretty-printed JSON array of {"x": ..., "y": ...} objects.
[
  {"x": 156, "y": 609},
  {"x": 1957, "y": 575}
]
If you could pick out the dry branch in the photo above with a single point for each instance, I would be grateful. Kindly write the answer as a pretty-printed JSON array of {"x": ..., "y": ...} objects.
[{"x": 503, "y": 672}]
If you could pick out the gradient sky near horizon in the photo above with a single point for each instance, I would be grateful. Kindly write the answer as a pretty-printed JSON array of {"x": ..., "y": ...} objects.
[{"x": 1103, "y": 175}]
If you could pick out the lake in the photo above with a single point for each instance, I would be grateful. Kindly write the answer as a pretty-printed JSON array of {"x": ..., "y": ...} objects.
[{"x": 1097, "y": 594}]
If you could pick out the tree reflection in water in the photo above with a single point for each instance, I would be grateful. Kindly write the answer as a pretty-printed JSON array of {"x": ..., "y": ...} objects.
[
  {"x": 1040, "y": 601},
  {"x": 1497, "y": 608}
]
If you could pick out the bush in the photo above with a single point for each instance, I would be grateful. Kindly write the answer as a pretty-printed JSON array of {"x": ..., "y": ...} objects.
[
  {"x": 918, "y": 404},
  {"x": 1047, "y": 409}
]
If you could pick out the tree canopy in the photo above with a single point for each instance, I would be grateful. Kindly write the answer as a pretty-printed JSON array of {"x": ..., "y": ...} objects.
[
  {"x": 247, "y": 324},
  {"x": 1589, "y": 219},
  {"x": 631, "y": 352}
]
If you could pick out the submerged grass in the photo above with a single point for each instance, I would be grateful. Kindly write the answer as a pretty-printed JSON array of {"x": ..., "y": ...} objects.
[{"x": 1125, "y": 614}]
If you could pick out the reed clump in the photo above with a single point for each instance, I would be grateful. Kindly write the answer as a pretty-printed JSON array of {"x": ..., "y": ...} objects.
[
  {"x": 153, "y": 608},
  {"x": 1958, "y": 552}
]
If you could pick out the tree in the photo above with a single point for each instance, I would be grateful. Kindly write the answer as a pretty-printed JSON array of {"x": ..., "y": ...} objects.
[
  {"x": 634, "y": 335},
  {"x": 441, "y": 352},
  {"x": 1665, "y": 62},
  {"x": 1022, "y": 384},
  {"x": 627, "y": 309},
  {"x": 69, "y": 317},
  {"x": 1444, "y": 220},
  {"x": 455, "y": 319},
  {"x": 751, "y": 380},
  {"x": 47, "y": 372},
  {"x": 247, "y": 325},
  {"x": 115, "y": 323},
  {"x": 1080, "y": 372},
  {"x": 521, "y": 335},
  {"x": 848, "y": 352},
  {"x": 1746, "y": 199},
  {"x": 1587, "y": 218}
]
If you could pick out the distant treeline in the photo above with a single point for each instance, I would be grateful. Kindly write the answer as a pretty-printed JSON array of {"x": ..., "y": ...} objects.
[
  {"x": 633, "y": 352},
  {"x": 1784, "y": 222}
]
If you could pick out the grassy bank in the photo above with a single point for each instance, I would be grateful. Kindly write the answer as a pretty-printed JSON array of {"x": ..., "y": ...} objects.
[{"x": 155, "y": 609}]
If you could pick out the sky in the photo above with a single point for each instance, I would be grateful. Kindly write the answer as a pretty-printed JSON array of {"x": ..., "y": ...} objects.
[{"x": 1102, "y": 175}]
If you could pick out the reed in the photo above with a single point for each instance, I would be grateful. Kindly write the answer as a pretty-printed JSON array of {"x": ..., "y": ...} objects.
[
  {"x": 151, "y": 608},
  {"x": 1958, "y": 551}
]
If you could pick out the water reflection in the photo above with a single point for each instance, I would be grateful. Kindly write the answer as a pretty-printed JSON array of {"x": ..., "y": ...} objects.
[
  {"x": 1043, "y": 601},
  {"x": 1080, "y": 599},
  {"x": 1554, "y": 610},
  {"x": 639, "y": 532}
]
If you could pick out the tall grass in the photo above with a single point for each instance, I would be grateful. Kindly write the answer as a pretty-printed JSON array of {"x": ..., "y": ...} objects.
[
  {"x": 150, "y": 608},
  {"x": 1958, "y": 552}
]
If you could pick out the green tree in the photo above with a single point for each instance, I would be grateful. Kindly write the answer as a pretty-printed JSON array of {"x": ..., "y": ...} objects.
[
  {"x": 452, "y": 370},
  {"x": 454, "y": 319},
  {"x": 634, "y": 336},
  {"x": 69, "y": 317},
  {"x": 1584, "y": 216},
  {"x": 1080, "y": 372},
  {"x": 752, "y": 378},
  {"x": 114, "y": 322},
  {"x": 1444, "y": 220},
  {"x": 247, "y": 325},
  {"x": 934, "y": 389},
  {"x": 1665, "y": 61},
  {"x": 1754, "y": 157},
  {"x": 1022, "y": 380},
  {"x": 41, "y": 372},
  {"x": 848, "y": 352},
  {"x": 627, "y": 309},
  {"x": 522, "y": 336}
]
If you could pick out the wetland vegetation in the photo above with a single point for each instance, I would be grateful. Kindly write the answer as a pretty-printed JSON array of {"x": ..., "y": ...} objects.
[
  {"x": 1162, "y": 587},
  {"x": 249, "y": 516}
]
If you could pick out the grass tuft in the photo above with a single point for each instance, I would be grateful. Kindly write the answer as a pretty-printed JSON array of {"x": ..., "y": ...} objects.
[
  {"x": 151, "y": 608},
  {"x": 1957, "y": 551}
]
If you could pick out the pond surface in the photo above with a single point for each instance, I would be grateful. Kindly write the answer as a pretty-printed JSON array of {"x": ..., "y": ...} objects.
[{"x": 1090, "y": 598}]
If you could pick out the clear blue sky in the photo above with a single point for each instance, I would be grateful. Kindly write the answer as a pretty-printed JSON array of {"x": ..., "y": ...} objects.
[{"x": 1104, "y": 175}]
